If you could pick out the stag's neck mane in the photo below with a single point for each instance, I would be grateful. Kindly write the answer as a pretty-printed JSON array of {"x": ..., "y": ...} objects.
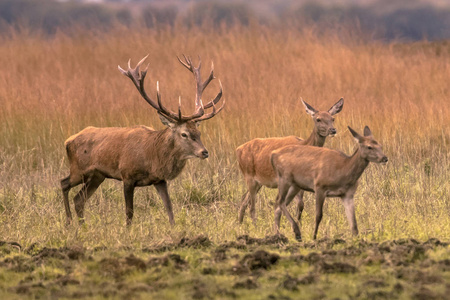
[{"x": 165, "y": 149}]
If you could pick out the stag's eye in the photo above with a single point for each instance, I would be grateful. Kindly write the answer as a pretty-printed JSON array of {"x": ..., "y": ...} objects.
[
  {"x": 318, "y": 120},
  {"x": 184, "y": 135},
  {"x": 369, "y": 147}
]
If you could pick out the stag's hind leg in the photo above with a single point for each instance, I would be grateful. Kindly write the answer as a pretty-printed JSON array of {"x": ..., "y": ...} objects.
[
  {"x": 89, "y": 187},
  {"x": 66, "y": 185}
]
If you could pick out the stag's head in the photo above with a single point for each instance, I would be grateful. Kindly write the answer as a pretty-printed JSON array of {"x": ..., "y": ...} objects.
[
  {"x": 324, "y": 120},
  {"x": 370, "y": 149},
  {"x": 184, "y": 128}
]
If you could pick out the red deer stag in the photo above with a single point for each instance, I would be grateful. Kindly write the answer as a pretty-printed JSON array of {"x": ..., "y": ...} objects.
[
  {"x": 138, "y": 156},
  {"x": 326, "y": 172},
  {"x": 254, "y": 156}
]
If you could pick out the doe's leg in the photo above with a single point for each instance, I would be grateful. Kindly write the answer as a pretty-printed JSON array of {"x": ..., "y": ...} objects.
[
  {"x": 349, "y": 206},
  {"x": 244, "y": 203},
  {"x": 249, "y": 198},
  {"x": 320, "y": 199},
  {"x": 300, "y": 204},
  {"x": 293, "y": 190}
]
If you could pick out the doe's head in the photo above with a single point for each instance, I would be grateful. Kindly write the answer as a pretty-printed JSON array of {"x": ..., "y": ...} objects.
[
  {"x": 324, "y": 120},
  {"x": 370, "y": 149}
]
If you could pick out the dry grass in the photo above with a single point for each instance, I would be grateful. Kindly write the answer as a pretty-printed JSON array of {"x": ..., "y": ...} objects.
[{"x": 52, "y": 88}]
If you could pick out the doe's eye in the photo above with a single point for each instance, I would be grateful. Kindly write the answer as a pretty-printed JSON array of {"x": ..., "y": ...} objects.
[
  {"x": 370, "y": 148},
  {"x": 318, "y": 120},
  {"x": 184, "y": 135}
]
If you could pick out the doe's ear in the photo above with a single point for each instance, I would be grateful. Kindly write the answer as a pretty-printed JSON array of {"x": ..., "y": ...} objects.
[
  {"x": 309, "y": 109},
  {"x": 336, "y": 108},
  {"x": 367, "y": 131},
  {"x": 356, "y": 135},
  {"x": 166, "y": 121}
]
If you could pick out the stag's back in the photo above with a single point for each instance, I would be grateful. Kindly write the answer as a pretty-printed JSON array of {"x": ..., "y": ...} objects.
[{"x": 106, "y": 150}]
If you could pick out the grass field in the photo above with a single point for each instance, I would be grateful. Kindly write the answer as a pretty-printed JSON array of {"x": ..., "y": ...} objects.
[{"x": 51, "y": 88}]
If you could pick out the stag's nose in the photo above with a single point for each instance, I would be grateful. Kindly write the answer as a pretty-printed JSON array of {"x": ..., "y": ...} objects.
[
  {"x": 205, "y": 154},
  {"x": 333, "y": 131},
  {"x": 384, "y": 159}
]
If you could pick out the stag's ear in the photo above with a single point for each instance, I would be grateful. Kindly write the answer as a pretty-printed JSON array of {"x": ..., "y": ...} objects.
[
  {"x": 337, "y": 107},
  {"x": 197, "y": 123},
  {"x": 166, "y": 121},
  {"x": 357, "y": 137},
  {"x": 367, "y": 131},
  {"x": 309, "y": 109}
]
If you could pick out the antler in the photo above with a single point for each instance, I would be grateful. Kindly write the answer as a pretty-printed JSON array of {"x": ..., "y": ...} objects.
[
  {"x": 137, "y": 77},
  {"x": 199, "y": 114}
]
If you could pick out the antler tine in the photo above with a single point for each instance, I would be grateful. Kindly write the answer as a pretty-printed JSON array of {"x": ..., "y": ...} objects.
[
  {"x": 199, "y": 63},
  {"x": 216, "y": 99},
  {"x": 211, "y": 114},
  {"x": 162, "y": 109},
  {"x": 186, "y": 64},
  {"x": 210, "y": 77},
  {"x": 137, "y": 77},
  {"x": 180, "y": 116}
]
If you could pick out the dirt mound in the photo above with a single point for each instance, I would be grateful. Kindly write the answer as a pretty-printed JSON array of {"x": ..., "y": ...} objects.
[
  {"x": 18, "y": 264},
  {"x": 255, "y": 261},
  {"x": 73, "y": 253},
  {"x": 199, "y": 241},
  {"x": 196, "y": 242},
  {"x": 118, "y": 267},
  {"x": 277, "y": 239},
  {"x": 335, "y": 267},
  {"x": 291, "y": 284},
  {"x": 249, "y": 284},
  {"x": 8, "y": 247},
  {"x": 167, "y": 260}
]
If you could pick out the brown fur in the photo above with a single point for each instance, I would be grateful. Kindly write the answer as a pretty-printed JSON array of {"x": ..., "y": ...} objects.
[
  {"x": 254, "y": 156},
  {"x": 138, "y": 156},
  {"x": 326, "y": 172}
]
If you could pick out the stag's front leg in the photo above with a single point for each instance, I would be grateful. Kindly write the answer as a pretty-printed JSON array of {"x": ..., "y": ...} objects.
[
  {"x": 161, "y": 188},
  {"x": 349, "y": 205},
  {"x": 128, "y": 190}
]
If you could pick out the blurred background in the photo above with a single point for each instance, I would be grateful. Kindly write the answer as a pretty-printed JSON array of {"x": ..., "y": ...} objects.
[{"x": 385, "y": 20}]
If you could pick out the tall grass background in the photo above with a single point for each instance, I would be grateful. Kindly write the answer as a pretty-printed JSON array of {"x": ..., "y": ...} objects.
[{"x": 52, "y": 87}]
